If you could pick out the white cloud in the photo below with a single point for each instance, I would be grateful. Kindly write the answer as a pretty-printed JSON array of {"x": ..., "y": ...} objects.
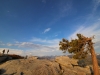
[
  {"x": 8, "y": 44},
  {"x": 44, "y": 47},
  {"x": 25, "y": 45},
  {"x": 34, "y": 39},
  {"x": 46, "y": 42},
  {"x": 46, "y": 30},
  {"x": 44, "y": 51},
  {"x": 1, "y": 43},
  {"x": 36, "y": 49},
  {"x": 37, "y": 46},
  {"x": 28, "y": 45},
  {"x": 87, "y": 31}
]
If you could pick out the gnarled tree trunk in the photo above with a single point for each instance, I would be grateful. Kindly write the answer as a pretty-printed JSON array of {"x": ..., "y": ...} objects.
[{"x": 94, "y": 61}]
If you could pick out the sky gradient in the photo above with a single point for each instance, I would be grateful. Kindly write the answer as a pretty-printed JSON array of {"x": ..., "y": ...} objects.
[{"x": 35, "y": 27}]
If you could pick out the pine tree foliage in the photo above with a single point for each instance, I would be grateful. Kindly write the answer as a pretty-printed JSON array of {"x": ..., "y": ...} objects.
[{"x": 80, "y": 47}]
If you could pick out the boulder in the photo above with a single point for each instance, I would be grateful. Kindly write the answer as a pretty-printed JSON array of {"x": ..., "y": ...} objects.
[
  {"x": 35, "y": 67},
  {"x": 2, "y": 58},
  {"x": 66, "y": 61},
  {"x": 81, "y": 73},
  {"x": 61, "y": 65}
]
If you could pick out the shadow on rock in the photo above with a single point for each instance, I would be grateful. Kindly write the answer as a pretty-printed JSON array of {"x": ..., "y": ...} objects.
[{"x": 2, "y": 71}]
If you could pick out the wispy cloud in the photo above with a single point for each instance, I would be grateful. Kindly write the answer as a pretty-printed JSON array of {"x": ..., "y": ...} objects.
[
  {"x": 46, "y": 47},
  {"x": 93, "y": 29},
  {"x": 46, "y": 30},
  {"x": 9, "y": 44},
  {"x": 96, "y": 4},
  {"x": 34, "y": 39},
  {"x": 33, "y": 49},
  {"x": 92, "y": 16},
  {"x": 36, "y": 52},
  {"x": 44, "y": 52},
  {"x": 26, "y": 45},
  {"x": 1, "y": 43},
  {"x": 44, "y": 1},
  {"x": 63, "y": 9},
  {"x": 89, "y": 29},
  {"x": 89, "y": 32},
  {"x": 46, "y": 42},
  {"x": 99, "y": 19}
]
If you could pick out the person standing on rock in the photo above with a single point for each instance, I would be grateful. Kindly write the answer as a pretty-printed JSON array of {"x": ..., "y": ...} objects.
[
  {"x": 26, "y": 57},
  {"x": 3, "y": 51},
  {"x": 7, "y": 51},
  {"x": 21, "y": 73}
]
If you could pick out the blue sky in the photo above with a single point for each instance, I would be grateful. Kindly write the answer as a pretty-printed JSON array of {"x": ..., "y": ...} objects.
[{"x": 35, "y": 27}]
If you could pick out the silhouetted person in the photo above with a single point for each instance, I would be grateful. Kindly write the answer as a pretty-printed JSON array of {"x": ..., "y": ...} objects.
[
  {"x": 7, "y": 51},
  {"x": 92, "y": 73},
  {"x": 3, "y": 51},
  {"x": 21, "y": 73},
  {"x": 26, "y": 57}
]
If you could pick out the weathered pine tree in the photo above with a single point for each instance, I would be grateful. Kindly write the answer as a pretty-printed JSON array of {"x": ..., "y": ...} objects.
[{"x": 80, "y": 48}]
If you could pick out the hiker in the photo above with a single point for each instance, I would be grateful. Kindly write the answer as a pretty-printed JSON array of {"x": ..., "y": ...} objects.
[
  {"x": 21, "y": 73},
  {"x": 7, "y": 51},
  {"x": 3, "y": 51},
  {"x": 92, "y": 73},
  {"x": 26, "y": 56}
]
